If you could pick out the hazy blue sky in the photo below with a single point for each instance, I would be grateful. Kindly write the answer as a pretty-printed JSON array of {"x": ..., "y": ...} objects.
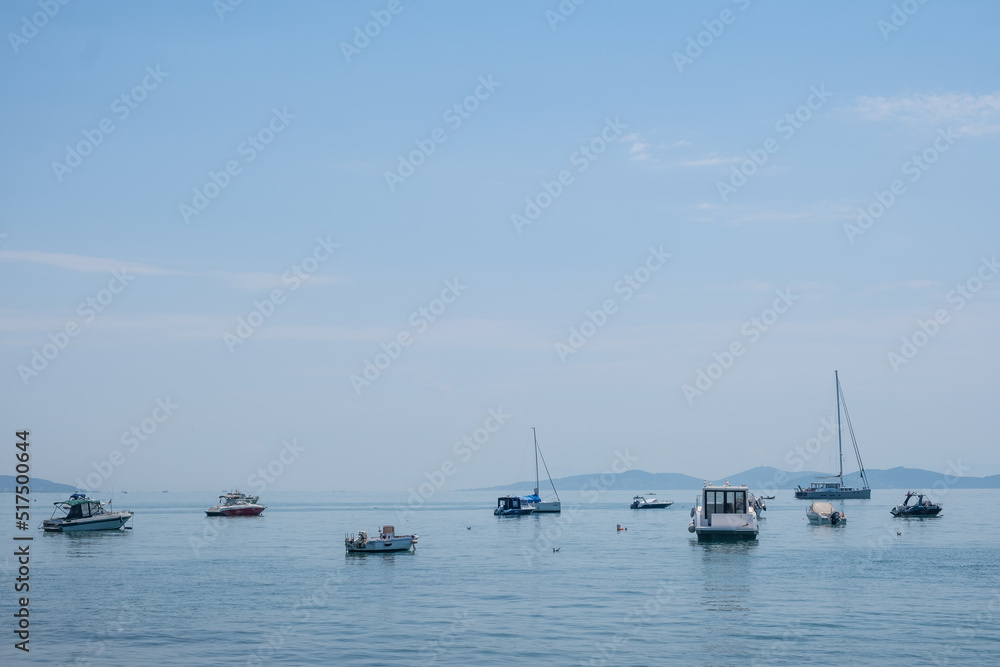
[{"x": 692, "y": 175}]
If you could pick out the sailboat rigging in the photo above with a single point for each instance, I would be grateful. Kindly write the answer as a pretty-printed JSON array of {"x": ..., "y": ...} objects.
[
  {"x": 551, "y": 507},
  {"x": 831, "y": 489}
]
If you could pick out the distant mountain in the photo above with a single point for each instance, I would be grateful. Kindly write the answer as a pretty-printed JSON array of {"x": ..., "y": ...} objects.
[
  {"x": 760, "y": 478},
  {"x": 38, "y": 485}
]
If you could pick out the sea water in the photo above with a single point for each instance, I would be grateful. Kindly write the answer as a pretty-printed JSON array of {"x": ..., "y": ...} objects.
[{"x": 182, "y": 588}]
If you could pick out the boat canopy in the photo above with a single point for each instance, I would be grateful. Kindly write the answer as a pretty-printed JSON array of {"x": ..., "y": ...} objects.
[
  {"x": 533, "y": 498},
  {"x": 76, "y": 499},
  {"x": 821, "y": 507}
]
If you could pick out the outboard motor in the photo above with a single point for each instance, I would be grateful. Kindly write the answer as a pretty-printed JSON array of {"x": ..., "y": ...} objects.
[{"x": 835, "y": 518}]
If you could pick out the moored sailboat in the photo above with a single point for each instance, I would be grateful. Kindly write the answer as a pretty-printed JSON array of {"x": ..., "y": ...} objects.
[
  {"x": 826, "y": 487},
  {"x": 542, "y": 506}
]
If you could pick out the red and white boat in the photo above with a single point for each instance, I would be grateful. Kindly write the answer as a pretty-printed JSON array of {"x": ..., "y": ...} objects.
[{"x": 235, "y": 503}]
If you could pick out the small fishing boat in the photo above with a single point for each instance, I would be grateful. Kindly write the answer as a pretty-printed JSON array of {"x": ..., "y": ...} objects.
[
  {"x": 723, "y": 513},
  {"x": 643, "y": 503},
  {"x": 387, "y": 541},
  {"x": 822, "y": 513},
  {"x": 83, "y": 513},
  {"x": 922, "y": 507},
  {"x": 758, "y": 504},
  {"x": 513, "y": 506},
  {"x": 235, "y": 503}
]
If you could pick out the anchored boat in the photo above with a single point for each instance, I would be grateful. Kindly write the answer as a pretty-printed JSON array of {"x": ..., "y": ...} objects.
[
  {"x": 235, "y": 503},
  {"x": 643, "y": 503},
  {"x": 542, "y": 507},
  {"x": 83, "y": 513},
  {"x": 513, "y": 506},
  {"x": 387, "y": 541},
  {"x": 822, "y": 513},
  {"x": 724, "y": 513},
  {"x": 836, "y": 489},
  {"x": 921, "y": 507}
]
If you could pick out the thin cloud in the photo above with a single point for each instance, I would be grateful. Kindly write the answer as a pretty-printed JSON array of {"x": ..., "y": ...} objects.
[
  {"x": 84, "y": 263},
  {"x": 712, "y": 161},
  {"x": 972, "y": 115}
]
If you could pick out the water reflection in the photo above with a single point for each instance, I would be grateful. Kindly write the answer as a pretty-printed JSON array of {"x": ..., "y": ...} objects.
[{"x": 727, "y": 574}]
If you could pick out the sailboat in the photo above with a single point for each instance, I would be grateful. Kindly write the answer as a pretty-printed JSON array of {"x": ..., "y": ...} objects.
[
  {"x": 836, "y": 489},
  {"x": 548, "y": 507}
]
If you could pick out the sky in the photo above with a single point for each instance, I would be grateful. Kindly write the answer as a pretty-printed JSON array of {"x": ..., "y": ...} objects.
[{"x": 370, "y": 245}]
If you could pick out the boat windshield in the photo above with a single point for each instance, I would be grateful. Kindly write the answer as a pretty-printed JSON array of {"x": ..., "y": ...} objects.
[{"x": 725, "y": 502}]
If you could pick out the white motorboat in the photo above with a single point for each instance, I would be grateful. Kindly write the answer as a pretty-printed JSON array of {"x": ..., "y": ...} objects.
[
  {"x": 387, "y": 541},
  {"x": 235, "y": 503},
  {"x": 644, "y": 503},
  {"x": 724, "y": 513},
  {"x": 822, "y": 513},
  {"x": 83, "y": 513},
  {"x": 513, "y": 506},
  {"x": 542, "y": 506}
]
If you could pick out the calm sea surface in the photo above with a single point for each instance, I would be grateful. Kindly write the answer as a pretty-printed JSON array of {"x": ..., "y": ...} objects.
[{"x": 186, "y": 589}]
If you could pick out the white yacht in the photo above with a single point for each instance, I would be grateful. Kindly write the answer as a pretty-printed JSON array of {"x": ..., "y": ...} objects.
[
  {"x": 724, "y": 513},
  {"x": 83, "y": 513}
]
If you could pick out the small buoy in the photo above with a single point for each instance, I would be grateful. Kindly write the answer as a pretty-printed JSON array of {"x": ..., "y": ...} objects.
[{"x": 620, "y": 527}]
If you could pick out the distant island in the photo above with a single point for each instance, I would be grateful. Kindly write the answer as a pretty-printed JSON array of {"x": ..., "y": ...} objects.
[
  {"x": 38, "y": 485},
  {"x": 761, "y": 478}
]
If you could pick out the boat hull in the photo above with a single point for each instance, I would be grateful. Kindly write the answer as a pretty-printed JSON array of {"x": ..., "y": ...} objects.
[
  {"x": 252, "y": 510},
  {"x": 833, "y": 494},
  {"x": 110, "y": 522},
  {"x": 520, "y": 512},
  {"x": 819, "y": 520},
  {"x": 554, "y": 507},
  {"x": 649, "y": 506},
  {"x": 923, "y": 511},
  {"x": 396, "y": 544}
]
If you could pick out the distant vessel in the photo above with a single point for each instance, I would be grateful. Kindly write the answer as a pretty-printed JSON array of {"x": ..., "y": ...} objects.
[
  {"x": 512, "y": 506},
  {"x": 723, "y": 513},
  {"x": 831, "y": 489},
  {"x": 822, "y": 512},
  {"x": 387, "y": 541},
  {"x": 83, "y": 513},
  {"x": 235, "y": 503},
  {"x": 541, "y": 507},
  {"x": 922, "y": 507},
  {"x": 643, "y": 503}
]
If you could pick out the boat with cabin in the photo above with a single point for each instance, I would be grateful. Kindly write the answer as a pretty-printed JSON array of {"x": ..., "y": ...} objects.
[
  {"x": 235, "y": 503},
  {"x": 921, "y": 507},
  {"x": 387, "y": 541},
  {"x": 822, "y": 513},
  {"x": 513, "y": 506},
  {"x": 80, "y": 513},
  {"x": 724, "y": 513},
  {"x": 832, "y": 487},
  {"x": 644, "y": 503}
]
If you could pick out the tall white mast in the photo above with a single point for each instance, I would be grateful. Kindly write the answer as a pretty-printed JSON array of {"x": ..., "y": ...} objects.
[{"x": 840, "y": 446}]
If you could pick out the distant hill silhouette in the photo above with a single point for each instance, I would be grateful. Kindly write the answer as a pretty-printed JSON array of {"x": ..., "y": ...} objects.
[
  {"x": 760, "y": 478},
  {"x": 38, "y": 485}
]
